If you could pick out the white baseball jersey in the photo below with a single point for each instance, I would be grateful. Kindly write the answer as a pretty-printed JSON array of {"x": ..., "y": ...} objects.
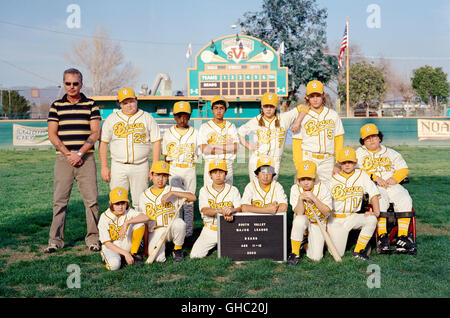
[
  {"x": 159, "y": 213},
  {"x": 255, "y": 196},
  {"x": 382, "y": 163},
  {"x": 211, "y": 133},
  {"x": 318, "y": 131},
  {"x": 321, "y": 191},
  {"x": 109, "y": 226},
  {"x": 270, "y": 138},
  {"x": 208, "y": 197},
  {"x": 180, "y": 148},
  {"x": 348, "y": 192},
  {"x": 130, "y": 137}
]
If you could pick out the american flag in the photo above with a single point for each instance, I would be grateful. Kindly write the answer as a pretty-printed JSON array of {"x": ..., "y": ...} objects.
[{"x": 343, "y": 47}]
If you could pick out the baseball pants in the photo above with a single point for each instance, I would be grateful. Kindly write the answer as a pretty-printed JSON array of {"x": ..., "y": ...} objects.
[
  {"x": 324, "y": 166},
  {"x": 396, "y": 194},
  {"x": 176, "y": 235},
  {"x": 316, "y": 240},
  {"x": 228, "y": 179},
  {"x": 186, "y": 179},
  {"x": 86, "y": 178},
  {"x": 205, "y": 242},
  {"x": 131, "y": 177},
  {"x": 339, "y": 227},
  {"x": 113, "y": 259}
]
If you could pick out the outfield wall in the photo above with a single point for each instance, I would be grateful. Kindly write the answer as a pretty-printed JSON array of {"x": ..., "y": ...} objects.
[{"x": 397, "y": 131}]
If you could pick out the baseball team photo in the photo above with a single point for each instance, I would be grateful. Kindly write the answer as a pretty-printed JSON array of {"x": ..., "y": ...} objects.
[{"x": 276, "y": 158}]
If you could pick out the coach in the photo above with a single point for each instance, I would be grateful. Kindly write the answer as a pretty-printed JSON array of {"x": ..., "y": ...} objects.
[{"x": 73, "y": 128}]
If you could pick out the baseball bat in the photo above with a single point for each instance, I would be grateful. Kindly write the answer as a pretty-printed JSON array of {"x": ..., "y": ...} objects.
[
  {"x": 331, "y": 247},
  {"x": 162, "y": 240}
]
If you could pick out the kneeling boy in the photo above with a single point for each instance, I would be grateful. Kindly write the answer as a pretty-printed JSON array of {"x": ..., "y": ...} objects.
[
  {"x": 218, "y": 198},
  {"x": 348, "y": 188},
  {"x": 109, "y": 226},
  {"x": 309, "y": 199},
  {"x": 158, "y": 204}
]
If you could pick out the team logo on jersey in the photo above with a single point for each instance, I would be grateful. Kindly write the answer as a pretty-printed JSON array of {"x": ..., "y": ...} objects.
[
  {"x": 313, "y": 127},
  {"x": 219, "y": 205},
  {"x": 265, "y": 136},
  {"x": 153, "y": 211},
  {"x": 341, "y": 193},
  {"x": 260, "y": 204},
  {"x": 216, "y": 139},
  {"x": 114, "y": 231},
  {"x": 370, "y": 164},
  {"x": 122, "y": 131}
]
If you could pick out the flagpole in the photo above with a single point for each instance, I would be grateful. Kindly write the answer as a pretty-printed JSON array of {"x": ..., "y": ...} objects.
[{"x": 348, "y": 74}]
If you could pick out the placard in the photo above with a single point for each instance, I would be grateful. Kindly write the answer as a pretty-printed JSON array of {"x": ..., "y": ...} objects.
[{"x": 252, "y": 236}]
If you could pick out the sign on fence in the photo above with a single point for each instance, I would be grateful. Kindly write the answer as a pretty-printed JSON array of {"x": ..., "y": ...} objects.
[
  {"x": 30, "y": 136},
  {"x": 433, "y": 129}
]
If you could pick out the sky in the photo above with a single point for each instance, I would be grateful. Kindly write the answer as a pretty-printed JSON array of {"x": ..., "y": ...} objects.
[{"x": 154, "y": 35}]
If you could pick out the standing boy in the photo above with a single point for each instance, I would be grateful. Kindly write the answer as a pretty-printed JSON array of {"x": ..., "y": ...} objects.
[
  {"x": 159, "y": 204},
  {"x": 321, "y": 135},
  {"x": 348, "y": 188},
  {"x": 130, "y": 133},
  {"x": 309, "y": 199},
  {"x": 179, "y": 147},
  {"x": 214, "y": 199},
  {"x": 218, "y": 139}
]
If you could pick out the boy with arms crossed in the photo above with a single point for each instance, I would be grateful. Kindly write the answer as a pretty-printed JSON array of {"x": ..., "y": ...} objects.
[{"x": 218, "y": 198}]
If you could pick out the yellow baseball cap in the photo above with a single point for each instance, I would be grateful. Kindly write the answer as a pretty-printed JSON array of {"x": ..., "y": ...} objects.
[
  {"x": 269, "y": 99},
  {"x": 368, "y": 130},
  {"x": 346, "y": 154},
  {"x": 219, "y": 99},
  {"x": 118, "y": 194},
  {"x": 160, "y": 167},
  {"x": 307, "y": 169},
  {"x": 181, "y": 107},
  {"x": 217, "y": 164},
  {"x": 314, "y": 87},
  {"x": 125, "y": 93},
  {"x": 265, "y": 161}
]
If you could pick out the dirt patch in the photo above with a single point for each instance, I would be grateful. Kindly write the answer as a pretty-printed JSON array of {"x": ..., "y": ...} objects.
[
  {"x": 23, "y": 253},
  {"x": 172, "y": 278},
  {"x": 425, "y": 228}
]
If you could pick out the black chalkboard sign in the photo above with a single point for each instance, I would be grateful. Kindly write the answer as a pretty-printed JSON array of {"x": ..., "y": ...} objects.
[{"x": 252, "y": 236}]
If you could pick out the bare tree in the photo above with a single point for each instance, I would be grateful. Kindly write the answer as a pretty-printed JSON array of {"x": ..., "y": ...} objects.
[{"x": 104, "y": 61}]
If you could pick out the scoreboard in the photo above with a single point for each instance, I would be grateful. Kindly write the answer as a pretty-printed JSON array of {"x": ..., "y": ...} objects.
[{"x": 237, "y": 67}]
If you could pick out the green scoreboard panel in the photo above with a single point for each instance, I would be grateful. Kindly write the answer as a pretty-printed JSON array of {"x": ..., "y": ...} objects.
[{"x": 237, "y": 66}]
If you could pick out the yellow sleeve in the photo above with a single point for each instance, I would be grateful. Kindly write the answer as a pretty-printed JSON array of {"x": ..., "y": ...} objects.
[
  {"x": 338, "y": 145},
  {"x": 297, "y": 152},
  {"x": 400, "y": 174}
]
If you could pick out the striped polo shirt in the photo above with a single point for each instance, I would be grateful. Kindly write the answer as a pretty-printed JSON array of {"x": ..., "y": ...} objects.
[{"x": 74, "y": 120}]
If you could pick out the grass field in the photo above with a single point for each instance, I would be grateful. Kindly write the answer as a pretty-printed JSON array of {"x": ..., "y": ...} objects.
[{"x": 26, "y": 188}]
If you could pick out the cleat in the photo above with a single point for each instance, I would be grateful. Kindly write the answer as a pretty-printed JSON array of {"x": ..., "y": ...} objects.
[
  {"x": 138, "y": 259},
  {"x": 178, "y": 256},
  {"x": 405, "y": 245},
  {"x": 362, "y": 254},
  {"x": 293, "y": 259},
  {"x": 383, "y": 246}
]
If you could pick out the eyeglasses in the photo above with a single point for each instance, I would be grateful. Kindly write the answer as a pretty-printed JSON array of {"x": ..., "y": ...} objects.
[{"x": 74, "y": 84}]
